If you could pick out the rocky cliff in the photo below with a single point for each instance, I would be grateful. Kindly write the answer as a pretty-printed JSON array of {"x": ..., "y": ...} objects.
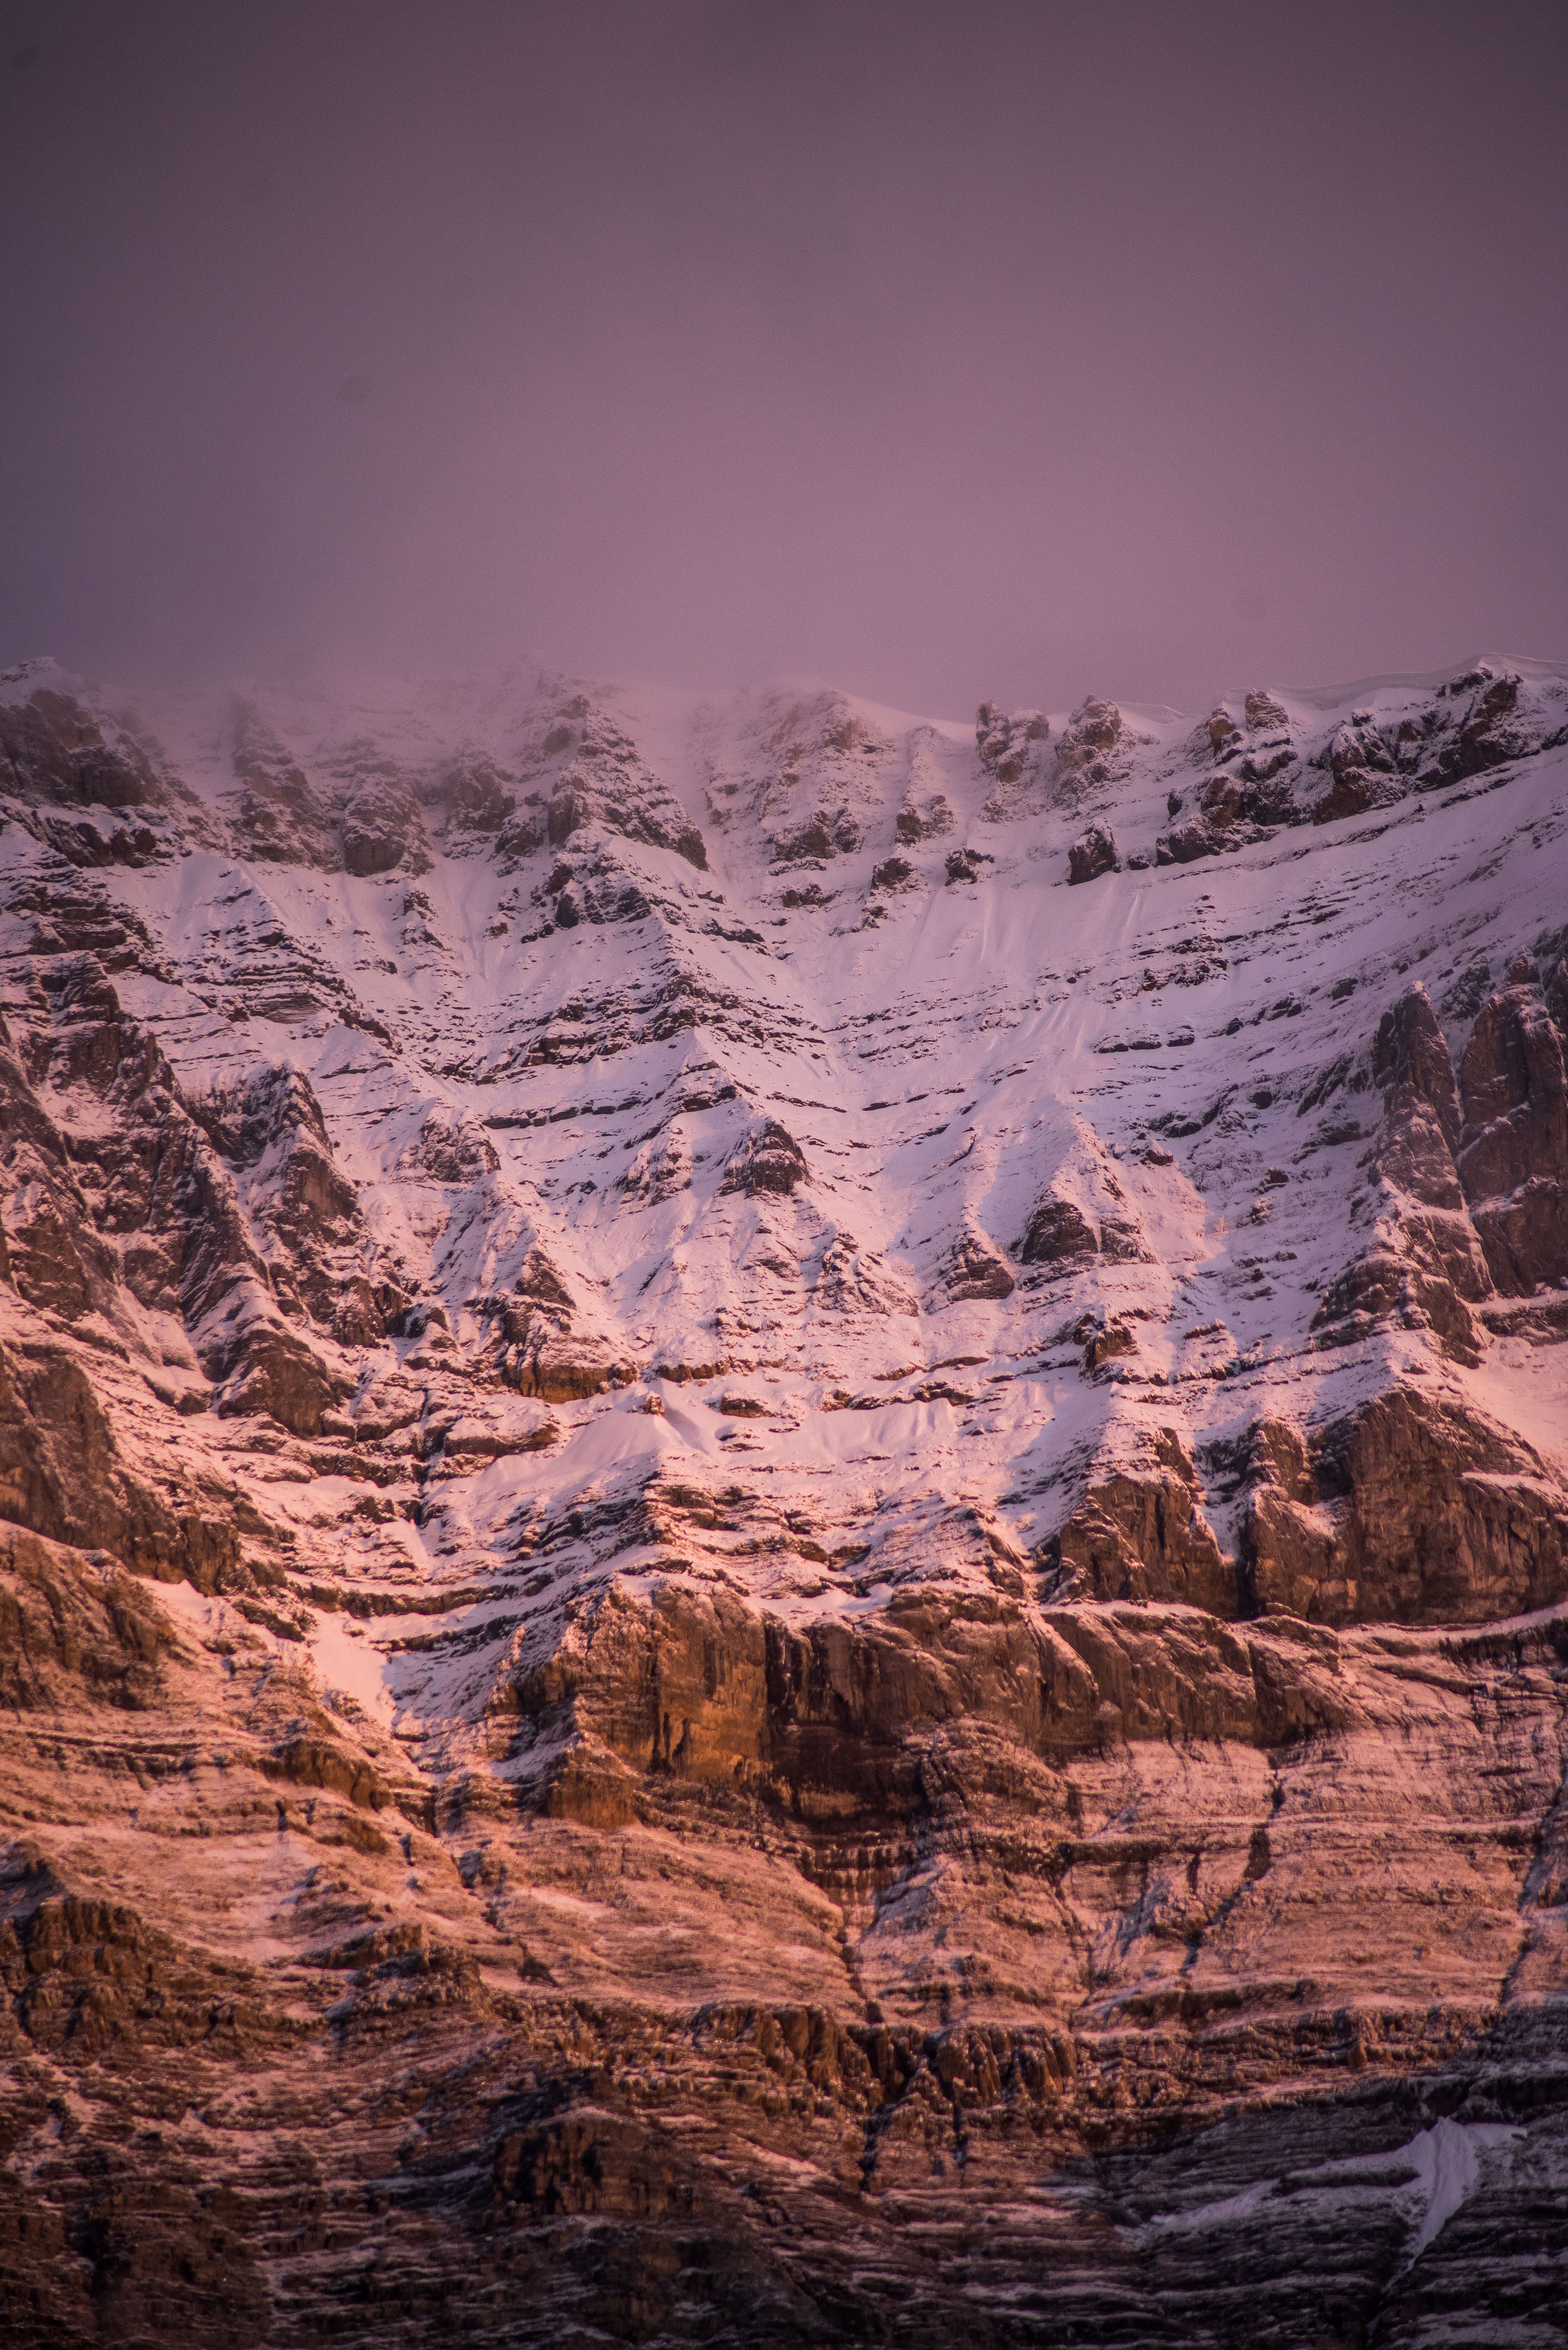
[{"x": 783, "y": 1517}]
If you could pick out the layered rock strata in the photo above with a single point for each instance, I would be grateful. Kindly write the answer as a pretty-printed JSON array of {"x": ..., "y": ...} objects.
[{"x": 783, "y": 1518}]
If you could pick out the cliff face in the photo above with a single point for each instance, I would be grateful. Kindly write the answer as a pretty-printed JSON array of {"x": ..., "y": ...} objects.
[{"x": 783, "y": 1518}]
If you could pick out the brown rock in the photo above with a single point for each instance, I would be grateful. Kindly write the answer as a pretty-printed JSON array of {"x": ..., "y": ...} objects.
[
  {"x": 1358, "y": 750},
  {"x": 1286, "y": 1541},
  {"x": 1258, "y": 792},
  {"x": 1441, "y": 1517},
  {"x": 478, "y": 796},
  {"x": 1556, "y": 988},
  {"x": 452, "y": 1150},
  {"x": 1437, "y": 1519},
  {"x": 1411, "y": 1060},
  {"x": 824, "y": 1721},
  {"x": 1144, "y": 1536},
  {"x": 268, "y": 1369},
  {"x": 52, "y": 750},
  {"x": 975, "y": 1267},
  {"x": 1492, "y": 729},
  {"x": 1092, "y": 735},
  {"x": 1058, "y": 1232},
  {"x": 280, "y": 816},
  {"x": 1184, "y": 843},
  {"x": 925, "y": 821},
  {"x": 1093, "y": 853},
  {"x": 1407, "y": 1509},
  {"x": 1352, "y": 793},
  {"x": 607, "y": 784},
  {"x": 1514, "y": 1155},
  {"x": 1005, "y": 741},
  {"x": 1106, "y": 1346},
  {"x": 766, "y": 1160},
  {"x": 1436, "y": 1272},
  {"x": 307, "y": 1761},
  {"x": 270, "y": 1130},
  {"x": 828, "y": 833},
  {"x": 541, "y": 1352},
  {"x": 382, "y": 830},
  {"x": 62, "y": 1476},
  {"x": 64, "y": 1640}
]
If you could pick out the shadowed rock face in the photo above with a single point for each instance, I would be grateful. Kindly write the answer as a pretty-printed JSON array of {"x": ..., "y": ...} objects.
[
  {"x": 743, "y": 1610},
  {"x": 1144, "y": 1536},
  {"x": 1514, "y": 1155},
  {"x": 52, "y": 750},
  {"x": 1425, "y": 1263},
  {"x": 1403, "y": 1511}
]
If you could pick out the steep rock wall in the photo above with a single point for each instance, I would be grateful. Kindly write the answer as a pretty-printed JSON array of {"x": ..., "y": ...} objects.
[{"x": 772, "y": 1571}]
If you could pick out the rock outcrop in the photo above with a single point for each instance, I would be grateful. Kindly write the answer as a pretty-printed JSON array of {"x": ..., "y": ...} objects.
[
  {"x": 1513, "y": 1147},
  {"x": 1093, "y": 853}
]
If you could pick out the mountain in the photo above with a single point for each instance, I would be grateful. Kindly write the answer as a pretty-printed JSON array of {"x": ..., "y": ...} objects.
[{"x": 786, "y": 1516}]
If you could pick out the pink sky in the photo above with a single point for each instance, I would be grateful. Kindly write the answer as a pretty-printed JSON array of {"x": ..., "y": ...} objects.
[{"x": 945, "y": 352}]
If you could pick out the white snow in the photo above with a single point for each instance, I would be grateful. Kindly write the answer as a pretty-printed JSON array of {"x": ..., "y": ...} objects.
[{"x": 937, "y": 1050}]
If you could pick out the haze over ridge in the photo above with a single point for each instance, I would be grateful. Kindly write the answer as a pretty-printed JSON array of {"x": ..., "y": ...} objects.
[{"x": 939, "y": 353}]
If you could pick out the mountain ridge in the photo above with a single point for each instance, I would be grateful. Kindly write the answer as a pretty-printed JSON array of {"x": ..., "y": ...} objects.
[{"x": 810, "y": 1438}]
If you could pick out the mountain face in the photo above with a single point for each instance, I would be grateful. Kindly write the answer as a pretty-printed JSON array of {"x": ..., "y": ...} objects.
[{"x": 785, "y": 1518}]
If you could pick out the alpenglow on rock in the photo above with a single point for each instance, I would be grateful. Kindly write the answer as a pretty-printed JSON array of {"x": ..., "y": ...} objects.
[{"x": 763, "y": 1581}]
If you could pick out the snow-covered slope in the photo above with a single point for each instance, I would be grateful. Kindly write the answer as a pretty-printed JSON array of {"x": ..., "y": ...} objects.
[{"x": 842, "y": 1291}]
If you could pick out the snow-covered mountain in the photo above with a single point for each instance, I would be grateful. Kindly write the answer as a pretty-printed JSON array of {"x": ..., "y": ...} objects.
[{"x": 854, "y": 1437}]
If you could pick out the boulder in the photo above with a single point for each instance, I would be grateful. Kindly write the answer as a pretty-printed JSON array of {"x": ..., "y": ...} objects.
[
  {"x": 1106, "y": 1346},
  {"x": 1093, "y": 853},
  {"x": 1184, "y": 843}
]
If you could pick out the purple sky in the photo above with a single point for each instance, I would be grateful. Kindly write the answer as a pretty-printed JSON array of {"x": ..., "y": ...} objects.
[{"x": 942, "y": 350}]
